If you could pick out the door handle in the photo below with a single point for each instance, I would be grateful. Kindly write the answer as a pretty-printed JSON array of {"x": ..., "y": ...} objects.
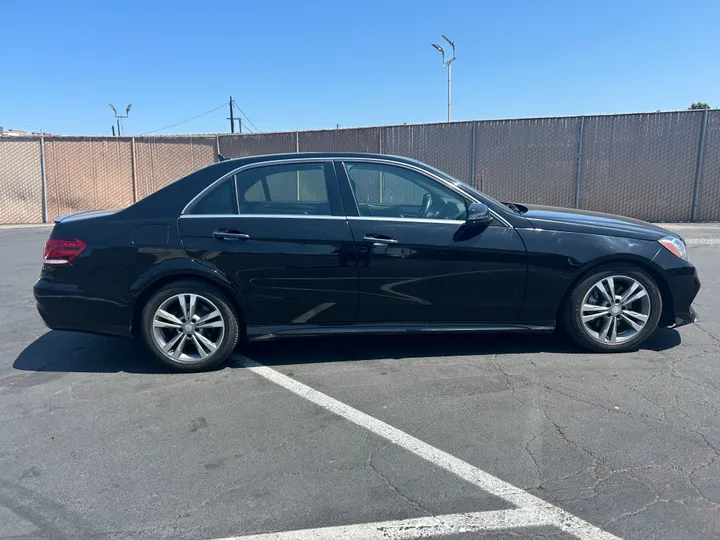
[
  {"x": 376, "y": 239},
  {"x": 224, "y": 234}
]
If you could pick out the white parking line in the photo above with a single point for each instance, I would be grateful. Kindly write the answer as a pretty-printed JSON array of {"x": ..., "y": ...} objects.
[
  {"x": 409, "y": 529},
  {"x": 530, "y": 504}
]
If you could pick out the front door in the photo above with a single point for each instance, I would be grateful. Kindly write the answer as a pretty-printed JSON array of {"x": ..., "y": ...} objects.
[
  {"x": 279, "y": 233},
  {"x": 416, "y": 264}
]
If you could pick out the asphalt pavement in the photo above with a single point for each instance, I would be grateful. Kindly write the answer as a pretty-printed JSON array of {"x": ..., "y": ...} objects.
[{"x": 492, "y": 437}]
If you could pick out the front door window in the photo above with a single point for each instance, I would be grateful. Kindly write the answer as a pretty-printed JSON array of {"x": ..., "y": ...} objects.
[{"x": 390, "y": 191}]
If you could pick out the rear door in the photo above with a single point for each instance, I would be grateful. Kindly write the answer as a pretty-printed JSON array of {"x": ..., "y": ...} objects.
[
  {"x": 418, "y": 261},
  {"x": 279, "y": 232}
]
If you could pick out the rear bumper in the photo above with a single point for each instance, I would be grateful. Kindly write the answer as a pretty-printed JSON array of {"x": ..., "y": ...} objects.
[{"x": 65, "y": 307}]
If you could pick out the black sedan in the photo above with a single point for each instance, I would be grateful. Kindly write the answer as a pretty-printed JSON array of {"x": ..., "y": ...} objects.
[{"x": 318, "y": 244}]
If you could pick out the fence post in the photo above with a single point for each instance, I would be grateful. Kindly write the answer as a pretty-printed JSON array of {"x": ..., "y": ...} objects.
[
  {"x": 579, "y": 162},
  {"x": 380, "y": 146},
  {"x": 297, "y": 141},
  {"x": 43, "y": 180},
  {"x": 473, "y": 180},
  {"x": 134, "y": 168},
  {"x": 217, "y": 145},
  {"x": 701, "y": 155}
]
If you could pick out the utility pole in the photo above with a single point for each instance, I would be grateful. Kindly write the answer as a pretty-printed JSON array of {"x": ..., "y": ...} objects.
[
  {"x": 232, "y": 117},
  {"x": 119, "y": 117},
  {"x": 113, "y": 130},
  {"x": 448, "y": 65}
]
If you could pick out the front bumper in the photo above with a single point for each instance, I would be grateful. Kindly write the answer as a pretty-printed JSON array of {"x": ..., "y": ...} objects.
[
  {"x": 681, "y": 319},
  {"x": 683, "y": 286}
]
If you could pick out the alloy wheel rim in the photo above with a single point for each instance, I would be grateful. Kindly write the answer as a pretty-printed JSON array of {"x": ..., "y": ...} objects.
[
  {"x": 615, "y": 309},
  {"x": 188, "y": 328}
]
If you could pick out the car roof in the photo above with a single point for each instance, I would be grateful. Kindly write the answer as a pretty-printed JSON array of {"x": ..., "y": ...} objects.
[{"x": 171, "y": 199}]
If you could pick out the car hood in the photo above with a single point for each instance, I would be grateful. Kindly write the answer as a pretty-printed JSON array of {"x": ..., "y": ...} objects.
[{"x": 567, "y": 219}]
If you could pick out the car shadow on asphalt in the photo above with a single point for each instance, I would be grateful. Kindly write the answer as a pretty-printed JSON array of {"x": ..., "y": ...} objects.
[{"x": 74, "y": 352}]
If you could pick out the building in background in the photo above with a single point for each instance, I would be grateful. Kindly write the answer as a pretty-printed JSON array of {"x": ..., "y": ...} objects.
[{"x": 19, "y": 133}]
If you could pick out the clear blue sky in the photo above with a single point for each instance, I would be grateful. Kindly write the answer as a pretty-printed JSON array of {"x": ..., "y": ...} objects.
[{"x": 293, "y": 64}]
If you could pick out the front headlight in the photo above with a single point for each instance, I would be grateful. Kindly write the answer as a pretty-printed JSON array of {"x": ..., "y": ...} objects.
[{"x": 675, "y": 246}]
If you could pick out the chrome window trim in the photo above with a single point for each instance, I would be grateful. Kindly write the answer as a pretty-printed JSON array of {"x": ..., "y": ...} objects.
[
  {"x": 406, "y": 220},
  {"x": 341, "y": 159},
  {"x": 281, "y": 216},
  {"x": 252, "y": 166},
  {"x": 420, "y": 170}
]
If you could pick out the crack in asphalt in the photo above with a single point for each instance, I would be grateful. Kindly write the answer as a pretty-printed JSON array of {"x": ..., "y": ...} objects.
[
  {"x": 707, "y": 332},
  {"x": 392, "y": 486}
]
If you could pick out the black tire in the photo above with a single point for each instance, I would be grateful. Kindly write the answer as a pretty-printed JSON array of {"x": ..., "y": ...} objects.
[
  {"x": 571, "y": 319},
  {"x": 230, "y": 326}
]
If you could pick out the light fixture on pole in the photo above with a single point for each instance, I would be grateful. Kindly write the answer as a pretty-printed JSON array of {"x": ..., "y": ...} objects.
[
  {"x": 119, "y": 117},
  {"x": 448, "y": 65}
]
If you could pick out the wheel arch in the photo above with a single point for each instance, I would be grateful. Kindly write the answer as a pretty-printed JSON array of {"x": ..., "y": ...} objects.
[
  {"x": 666, "y": 316},
  {"x": 151, "y": 287}
]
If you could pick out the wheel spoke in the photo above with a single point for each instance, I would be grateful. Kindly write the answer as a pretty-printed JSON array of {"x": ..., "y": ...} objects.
[
  {"x": 593, "y": 308},
  {"x": 637, "y": 296},
  {"x": 192, "y": 306},
  {"x": 202, "y": 321},
  {"x": 199, "y": 347},
  {"x": 611, "y": 284},
  {"x": 592, "y": 317},
  {"x": 605, "y": 329},
  {"x": 632, "y": 323},
  {"x": 629, "y": 292},
  {"x": 167, "y": 316},
  {"x": 171, "y": 343},
  {"x": 182, "y": 300},
  {"x": 636, "y": 315},
  {"x": 205, "y": 341},
  {"x": 601, "y": 287},
  {"x": 180, "y": 347},
  {"x": 213, "y": 324},
  {"x": 163, "y": 324},
  {"x": 613, "y": 332}
]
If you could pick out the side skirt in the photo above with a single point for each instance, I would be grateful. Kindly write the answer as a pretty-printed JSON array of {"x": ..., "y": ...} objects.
[{"x": 263, "y": 333}]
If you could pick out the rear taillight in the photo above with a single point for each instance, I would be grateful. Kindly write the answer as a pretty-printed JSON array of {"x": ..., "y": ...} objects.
[{"x": 62, "y": 250}]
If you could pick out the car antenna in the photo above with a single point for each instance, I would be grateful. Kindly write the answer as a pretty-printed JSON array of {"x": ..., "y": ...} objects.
[{"x": 222, "y": 158}]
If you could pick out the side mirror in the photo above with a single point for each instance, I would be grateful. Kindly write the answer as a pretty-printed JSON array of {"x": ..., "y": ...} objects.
[{"x": 478, "y": 214}]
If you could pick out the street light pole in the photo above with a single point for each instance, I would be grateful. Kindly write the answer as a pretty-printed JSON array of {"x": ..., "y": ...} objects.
[
  {"x": 119, "y": 117},
  {"x": 448, "y": 65}
]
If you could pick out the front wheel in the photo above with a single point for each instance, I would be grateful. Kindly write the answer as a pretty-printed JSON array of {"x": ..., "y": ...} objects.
[
  {"x": 614, "y": 309},
  {"x": 190, "y": 326}
]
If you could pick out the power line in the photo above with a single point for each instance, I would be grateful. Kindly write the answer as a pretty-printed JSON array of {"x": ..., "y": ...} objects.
[
  {"x": 188, "y": 120},
  {"x": 246, "y": 116}
]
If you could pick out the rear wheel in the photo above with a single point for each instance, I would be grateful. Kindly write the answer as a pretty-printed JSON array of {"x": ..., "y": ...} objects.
[
  {"x": 190, "y": 326},
  {"x": 614, "y": 309}
]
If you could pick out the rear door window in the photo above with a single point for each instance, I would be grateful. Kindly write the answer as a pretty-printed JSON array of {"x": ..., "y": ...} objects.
[
  {"x": 291, "y": 189},
  {"x": 220, "y": 200}
]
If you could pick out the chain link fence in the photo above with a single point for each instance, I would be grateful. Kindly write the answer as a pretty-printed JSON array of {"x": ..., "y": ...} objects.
[
  {"x": 652, "y": 166},
  {"x": 708, "y": 194},
  {"x": 448, "y": 147},
  {"x": 641, "y": 165},
  {"x": 161, "y": 160},
  {"x": 87, "y": 173},
  {"x": 547, "y": 172},
  {"x": 257, "y": 144},
  {"x": 21, "y": 180}
]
